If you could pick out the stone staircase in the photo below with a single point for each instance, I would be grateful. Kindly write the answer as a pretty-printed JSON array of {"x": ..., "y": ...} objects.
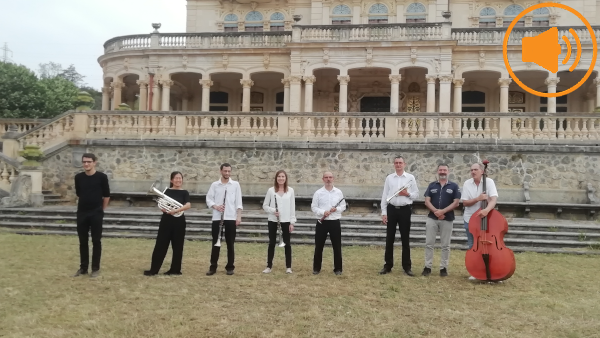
[
  {"x": 50, "y": 198},
  {"x": 581, "y": 237}
]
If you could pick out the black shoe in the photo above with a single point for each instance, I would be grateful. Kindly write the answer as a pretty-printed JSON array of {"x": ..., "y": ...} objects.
[
  {"x": 337, "y": 273},
  {"x": 229, "y": 272},
  {"x": 80, "y": 272},
  {"x": 385, "y": 271},
  {"x": 171, "y": 273},
  {"x": 409, "y": 273},
  {"x": 210, "y": 272},
  {"x": 443, "y": 272},
  {"x": 149, "y": 273},
  {"x": 315, "y": 272},
  {"x": 95, "y": 274},
  {"x": 426, "y": 272}
]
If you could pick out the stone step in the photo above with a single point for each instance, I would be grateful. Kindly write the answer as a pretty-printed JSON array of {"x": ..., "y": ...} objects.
[
  {"x": 526, "y": 239},
  {"x": 52, "y": 196},
  {"x": 193, "y": 237},
  {"x": 55, "y": 201}
]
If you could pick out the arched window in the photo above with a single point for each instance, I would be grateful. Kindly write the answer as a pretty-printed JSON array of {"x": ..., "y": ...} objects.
[
  {"x": 416, "y": 12},
  {"x": 473, "y": 101},
  {"x": 253, "y": 22},
  {"x": 541, "y": 17},
  {"x": 230, "y": 23},
  {"x": 378, "y": 13},
  {"x": 277, "y": 21},
  {"x": 341, "y": 15},
  {"x": 487, "y": 17},
  {"x": 510, "y": 13}
]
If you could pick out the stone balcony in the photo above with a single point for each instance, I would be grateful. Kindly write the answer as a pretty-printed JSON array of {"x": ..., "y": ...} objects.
[{"x": 336, "y": 33}]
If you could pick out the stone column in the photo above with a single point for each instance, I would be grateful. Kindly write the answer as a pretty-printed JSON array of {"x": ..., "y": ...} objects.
[
  {"x": 184, "y": 103},
  {"x": 308, "y": 93},
  {"x": 431, "y": 93},
  {"x": 458, "y": 94},
  {"x": 597, "y": 82},
  {"x": 504, "y": 83},
  {"x": 589, "y": 103},
  {"x": 286, "y": 94},
  {"x": 295, "y": 93},
  {"x": 246, "y": 84},
  {"x": 551, "y": 82},
  {"x": 105, "y": 98},
  {"x": 143, "y": 94},
  {"x": 395, "y": 92},
  {"x": 344, "y": 79},
  {"x": 155, "y": 95},
  {"x": 166, "y": 94},
  {"x": 117, "y": 93},
  {"x": 206, "y": 84},
  {"x": 445, "y": 91}
]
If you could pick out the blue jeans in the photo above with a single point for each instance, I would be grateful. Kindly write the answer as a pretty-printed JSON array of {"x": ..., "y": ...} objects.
[{"x": 469, "y": 236}]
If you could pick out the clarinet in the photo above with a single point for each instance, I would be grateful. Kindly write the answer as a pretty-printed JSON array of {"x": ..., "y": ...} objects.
[
  {"x": 338, "y": 203},
  {"x": 279, "y": 231},
  {"x": 221, "y": 228}
]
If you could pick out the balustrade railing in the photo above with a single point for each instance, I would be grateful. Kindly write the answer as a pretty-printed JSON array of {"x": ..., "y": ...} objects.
[
  {"x": 336, "y": 127},
  {"x": 373, "y": 32},
  {"x": 8, "y": 172},
  {"x": 495, "y": 36},
  {"x": 22, "y": 125}
]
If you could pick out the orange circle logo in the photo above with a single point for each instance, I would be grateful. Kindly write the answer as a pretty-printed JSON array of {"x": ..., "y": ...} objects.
[{"x": 594, "y": 49}]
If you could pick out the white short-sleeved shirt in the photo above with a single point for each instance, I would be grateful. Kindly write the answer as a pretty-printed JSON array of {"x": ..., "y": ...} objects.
[{"x": 470, "y": 190}]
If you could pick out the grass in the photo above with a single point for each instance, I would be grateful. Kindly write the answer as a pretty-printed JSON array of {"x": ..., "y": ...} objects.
[{"x": 550, "y": 295}]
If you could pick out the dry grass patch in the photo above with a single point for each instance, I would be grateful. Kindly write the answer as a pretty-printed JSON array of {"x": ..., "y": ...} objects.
[{"x": 549, "y": 295}]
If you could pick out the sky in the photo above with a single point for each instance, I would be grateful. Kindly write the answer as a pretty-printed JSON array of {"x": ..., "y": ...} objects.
[{"x": 74, "y": 31}]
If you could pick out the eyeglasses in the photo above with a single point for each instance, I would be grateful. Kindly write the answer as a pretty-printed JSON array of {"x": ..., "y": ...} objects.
[{"x": 87, "y": 161}]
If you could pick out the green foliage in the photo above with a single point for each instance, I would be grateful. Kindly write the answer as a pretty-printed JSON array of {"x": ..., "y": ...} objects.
[
  {"x": 21, "y": 93},
  {"x": 61, "y": 96},
  {"x": 84, "y": 101}
]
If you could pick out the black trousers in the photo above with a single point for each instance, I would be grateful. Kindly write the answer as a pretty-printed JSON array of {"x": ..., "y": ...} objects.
[
  {"x": 285, "y": 228},
  {"x": 90, "y": 221},
  {"x": 400, "y": 217},
  {"x": 334, "y": 229},
  {"x": 230, "y": 230},
  {"x": 171, "y": 230}
]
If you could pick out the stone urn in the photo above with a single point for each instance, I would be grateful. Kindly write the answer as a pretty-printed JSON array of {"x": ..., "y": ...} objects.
[
  {"x": 32, "y": 154},
  {"x": 84, "y": 102},
  {"x": 123, "y": 106}
]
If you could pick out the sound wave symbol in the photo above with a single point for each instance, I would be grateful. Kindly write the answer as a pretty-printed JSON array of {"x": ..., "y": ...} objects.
[{"x": 566, "y": 40}]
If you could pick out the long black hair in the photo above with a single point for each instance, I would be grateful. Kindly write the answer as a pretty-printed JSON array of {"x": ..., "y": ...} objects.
[{"x": 173, "y": 174}]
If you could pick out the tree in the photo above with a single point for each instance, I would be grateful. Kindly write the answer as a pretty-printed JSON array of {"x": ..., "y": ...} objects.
[
  {"x": 22, "y": 96},
  {"x": 72, "y": 75},
  {"x": 61, "y": 95},
  {"x": 50, "y": 70}
]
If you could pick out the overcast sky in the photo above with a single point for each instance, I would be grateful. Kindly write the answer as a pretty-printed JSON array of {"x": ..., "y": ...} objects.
[{"x": 74, "y": 31}]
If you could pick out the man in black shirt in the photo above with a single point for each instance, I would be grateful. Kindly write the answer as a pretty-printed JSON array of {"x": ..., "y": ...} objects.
[
  {"x": 441, "y": 198},
  {"x": 93, "y": 191}
]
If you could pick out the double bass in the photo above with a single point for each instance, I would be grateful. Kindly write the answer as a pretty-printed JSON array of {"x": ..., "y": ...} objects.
[{"x": 489, "y": 259}]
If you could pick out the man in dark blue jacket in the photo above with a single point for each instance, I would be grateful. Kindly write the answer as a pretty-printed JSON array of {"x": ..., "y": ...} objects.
[{"x": 441, "y": 198}]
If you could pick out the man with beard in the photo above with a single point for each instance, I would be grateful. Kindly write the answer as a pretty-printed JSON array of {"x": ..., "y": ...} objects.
[
  {"x": 225, "y": 198},
  {"x": 441, "y": 198}
]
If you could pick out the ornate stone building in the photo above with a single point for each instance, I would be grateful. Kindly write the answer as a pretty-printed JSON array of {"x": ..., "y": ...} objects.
[{"x": 349, "y": 56}]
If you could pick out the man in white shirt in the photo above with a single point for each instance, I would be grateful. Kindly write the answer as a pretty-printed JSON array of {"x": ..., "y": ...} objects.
[
  {"x": 472, "y": 194},
  {"x": 398, "y": 212},
  {"x": 328, "y": 202},
  {"x": 232, "y": 207}
]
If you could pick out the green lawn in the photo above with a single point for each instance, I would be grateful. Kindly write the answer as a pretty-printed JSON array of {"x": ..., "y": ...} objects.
[{"x": 550, "y": 295}]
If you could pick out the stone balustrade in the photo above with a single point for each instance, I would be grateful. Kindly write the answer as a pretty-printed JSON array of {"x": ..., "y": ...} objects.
[
  {"x": 22, "y": 125},
  {"x": 8, "y": 172},
  {"x": 495, "y": 36},
  {"x": 336, "y": 33},
  {"x": 329, "y": 127}
]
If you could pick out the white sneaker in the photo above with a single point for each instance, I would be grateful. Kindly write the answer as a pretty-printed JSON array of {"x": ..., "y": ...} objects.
[
  {"x": 267, "y": 270},
  {"x": 472, "y": 278},
  {"x": 288, "y": 270}
]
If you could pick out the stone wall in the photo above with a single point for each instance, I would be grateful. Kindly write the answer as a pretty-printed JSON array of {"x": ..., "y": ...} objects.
[{"x": 554, "y": 173}]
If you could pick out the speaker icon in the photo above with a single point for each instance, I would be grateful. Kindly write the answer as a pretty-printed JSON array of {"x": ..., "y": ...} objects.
[{"x": 544, "y": 49}]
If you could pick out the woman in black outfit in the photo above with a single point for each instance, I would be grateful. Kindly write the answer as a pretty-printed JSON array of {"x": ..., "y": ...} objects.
[{"x": 171, "y": 229}]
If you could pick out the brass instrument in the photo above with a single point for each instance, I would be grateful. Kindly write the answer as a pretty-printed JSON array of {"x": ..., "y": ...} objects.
[
  {"x": 399, "y": 191},
  {"x": 165, "y": 202},
  {"x": 221, "y": 227},
  {"x": 279, "y": 230}
]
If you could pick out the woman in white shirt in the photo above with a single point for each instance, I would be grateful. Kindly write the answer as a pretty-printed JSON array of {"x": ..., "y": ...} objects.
[{"x": 286, "y": 205}]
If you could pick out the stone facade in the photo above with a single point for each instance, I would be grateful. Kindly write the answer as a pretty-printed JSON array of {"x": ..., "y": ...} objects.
[{"x": 554, "y": 176}]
